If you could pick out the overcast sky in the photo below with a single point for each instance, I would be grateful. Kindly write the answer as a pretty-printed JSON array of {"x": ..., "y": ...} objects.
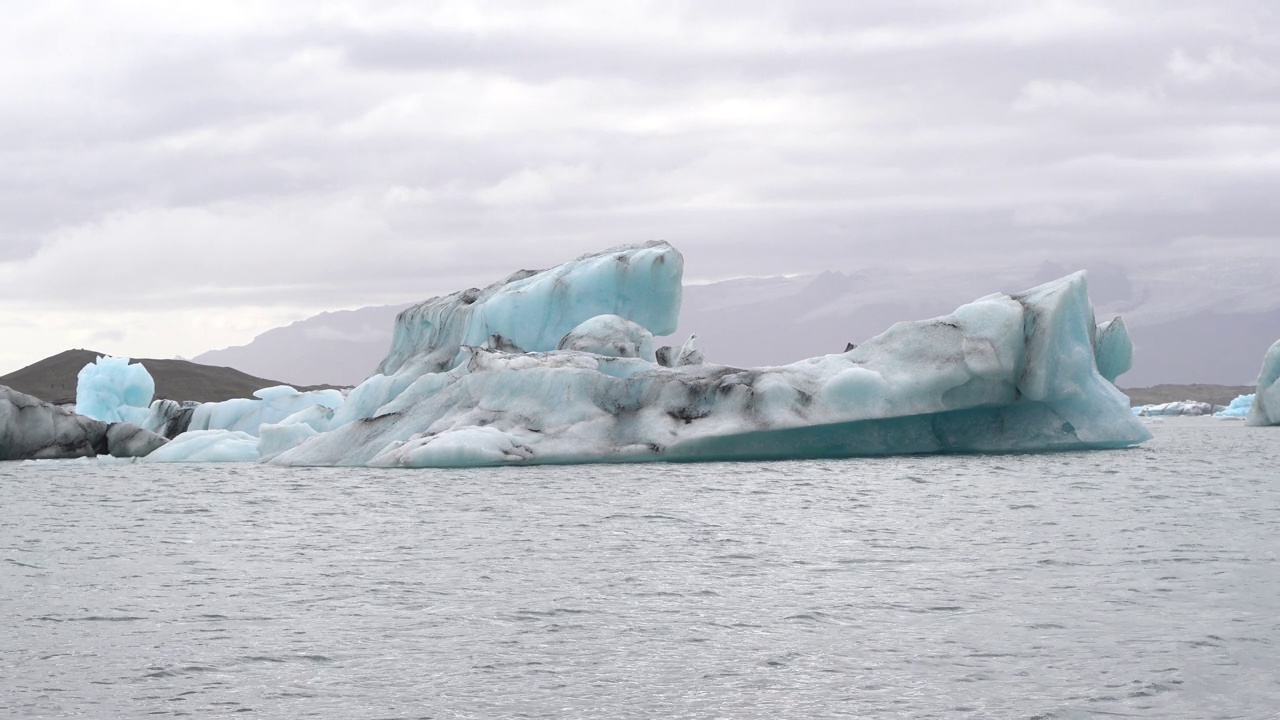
[{"x": 177, "y": 177}]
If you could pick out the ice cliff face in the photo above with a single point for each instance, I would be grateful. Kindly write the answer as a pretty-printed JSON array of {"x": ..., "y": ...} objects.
[
  {"x": 533, "y": 311},
  {"x": 1266, "y": 402},
  {"x": 476, "y": 379}
]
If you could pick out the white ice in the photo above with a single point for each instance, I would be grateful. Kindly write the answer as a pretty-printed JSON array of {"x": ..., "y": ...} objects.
[
  {"x": 269, "y": 405},
  {"x": 1183, "y": 408},
  {"x": 208, "y": 446}
]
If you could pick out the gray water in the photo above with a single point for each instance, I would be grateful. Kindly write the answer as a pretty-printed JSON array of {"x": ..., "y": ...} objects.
[{"x": 1138, "y": 583}]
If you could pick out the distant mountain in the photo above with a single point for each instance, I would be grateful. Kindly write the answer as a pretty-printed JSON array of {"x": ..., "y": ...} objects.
[
  {"x": 1189, "y": 325},
  {"x": 341, "y": 348},
  {"x": 54, "y": 379},
  {"x": 1205, "y": 321}
]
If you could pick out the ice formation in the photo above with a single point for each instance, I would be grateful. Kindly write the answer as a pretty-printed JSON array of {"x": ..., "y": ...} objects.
[
  {"x": 1266, "y": 402},
  {"x": 208, "y": 446},
  {"x": 1239, "y": 408},
  {"x": 532, "y": 311},
  {"x": 271, "y": 405},
  {"x": 1113, "y": 349},
  {"x": 169, "y": 418},
  {"x": 113, "y": 390},
  {"x": 126, "y": 440},
  {"x": 33, "y": 429},
  {"x": 553, "y": 367},
  {"x": 1183, "y": 408}
]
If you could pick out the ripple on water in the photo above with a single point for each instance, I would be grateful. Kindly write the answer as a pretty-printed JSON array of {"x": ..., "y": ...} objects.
[{"x": 1065, "y": 586}]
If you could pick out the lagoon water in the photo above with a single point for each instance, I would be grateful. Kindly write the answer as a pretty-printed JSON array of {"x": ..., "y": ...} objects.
[{"x": 1137, "y": 583}]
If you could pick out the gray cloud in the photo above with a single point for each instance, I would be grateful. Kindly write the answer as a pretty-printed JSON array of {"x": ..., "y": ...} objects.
[{"x": 260, "y": 157}]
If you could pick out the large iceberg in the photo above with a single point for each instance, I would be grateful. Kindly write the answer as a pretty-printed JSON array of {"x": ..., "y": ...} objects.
[
  {"x": 1266, "y": 402},
  {"x": 554, "y": 367}
]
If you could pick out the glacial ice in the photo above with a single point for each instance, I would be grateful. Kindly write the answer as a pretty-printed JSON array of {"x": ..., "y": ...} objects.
[
  {"x": 1180, "y": 408},
  {"x": 208, "y": 446},
  {"x": 1113, "y": 349},
  {"x": 33, "y": 429},
  {"x": 1266, "y": 402},
  {"x": 610, "y": 336},
  {"x": 272, "y": 405},
  {"x": 126, "y": 440},
  {"x": 1239, "y": 408},
  {"x": 532, "y": 311},
  {"x": 515, "y": 373},
  {"x": 169, "y": 418},
  {"x": 113, "y": 390}
]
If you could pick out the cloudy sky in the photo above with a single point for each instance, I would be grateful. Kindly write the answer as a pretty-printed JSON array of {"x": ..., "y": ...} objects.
[{"x": 177, "y": 177}]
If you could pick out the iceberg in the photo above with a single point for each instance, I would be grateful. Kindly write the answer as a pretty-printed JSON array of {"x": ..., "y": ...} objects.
[
  {"x": 112, "y": 390},
  {"x": 244, "y": 429},
  {"x": 1239, "y": 408},
  {"x": 554, "y": 366},
  {"x": 1180, "y": 408},
  {"x": 1266, "y": 402},
  {"x": 31, "y": 429}
]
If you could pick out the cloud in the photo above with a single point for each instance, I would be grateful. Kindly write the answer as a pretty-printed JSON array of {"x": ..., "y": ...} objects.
[{"x": 257, "y": 161}]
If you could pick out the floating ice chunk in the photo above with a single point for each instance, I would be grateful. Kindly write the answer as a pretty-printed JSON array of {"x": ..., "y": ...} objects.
[
  {"x": 1266, "y": 401},
  {"x": 1239, "y": 408},
  {"x": 611, "y": 336},
  {"x": 272, "y": 405},
  {"x": 1183, "y": 408},
  {"x": 1113, "y": 349},
  {"x": 113, "y": 390},
  {"x": 208, "y": 446},
  {"x": 1006, "y": 373}
]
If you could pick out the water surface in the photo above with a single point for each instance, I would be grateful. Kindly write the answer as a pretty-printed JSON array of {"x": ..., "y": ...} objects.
[{"x": 1138, "y": 583}]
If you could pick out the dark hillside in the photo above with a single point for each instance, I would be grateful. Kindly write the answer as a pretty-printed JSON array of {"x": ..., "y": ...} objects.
[
  {"x": 54, "y": 379},
  {"x": 1212, "y": 394}
]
